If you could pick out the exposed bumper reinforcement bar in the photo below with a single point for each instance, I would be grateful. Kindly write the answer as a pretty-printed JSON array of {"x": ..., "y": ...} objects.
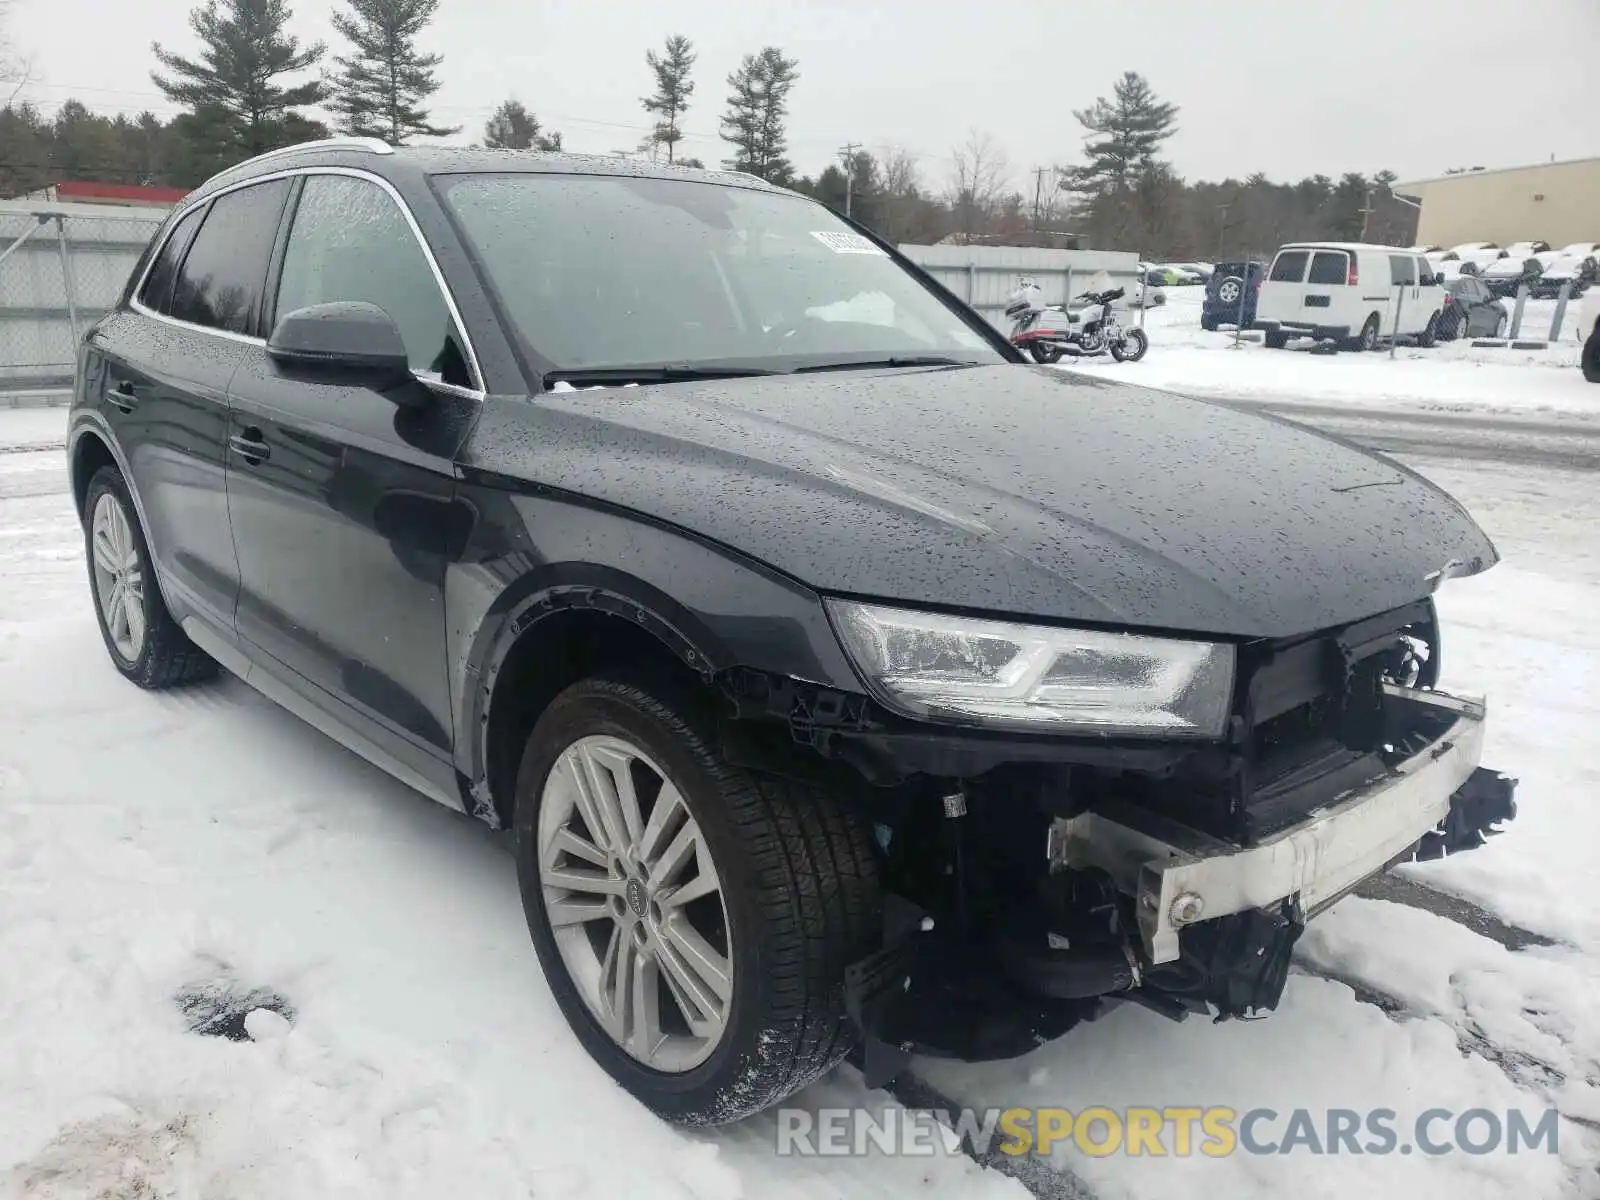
[{"x": 1179, "y": 876}]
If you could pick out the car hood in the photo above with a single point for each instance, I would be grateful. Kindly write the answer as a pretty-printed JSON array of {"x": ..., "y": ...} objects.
[{"x": 1007, "y": 489}]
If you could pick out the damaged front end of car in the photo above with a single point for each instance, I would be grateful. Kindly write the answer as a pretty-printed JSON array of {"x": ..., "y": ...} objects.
[{"x": 1033, "y": 879}]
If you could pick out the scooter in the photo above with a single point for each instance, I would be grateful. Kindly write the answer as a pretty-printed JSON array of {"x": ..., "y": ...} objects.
[{"x": 1048, "y": 331}]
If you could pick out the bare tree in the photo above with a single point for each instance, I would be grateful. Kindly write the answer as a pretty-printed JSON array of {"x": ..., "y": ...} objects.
[
  {"x": 978, "y": 179},
  {"x": 15, "y": 69}
]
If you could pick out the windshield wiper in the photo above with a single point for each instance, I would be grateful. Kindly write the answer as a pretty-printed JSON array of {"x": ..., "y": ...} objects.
[
  {"x": 662, "y": 373},
  {"x": 910, "y": 360}
]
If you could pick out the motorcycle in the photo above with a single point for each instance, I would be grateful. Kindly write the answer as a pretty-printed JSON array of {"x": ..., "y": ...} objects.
[{"x": 1048, "y": 331}]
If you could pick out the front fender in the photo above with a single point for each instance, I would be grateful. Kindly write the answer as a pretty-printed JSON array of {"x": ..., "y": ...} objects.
[{"x": 531, "y": 554}]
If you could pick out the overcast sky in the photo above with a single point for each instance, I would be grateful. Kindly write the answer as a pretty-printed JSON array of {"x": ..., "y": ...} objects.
[{"x": 1416, "y": 86}]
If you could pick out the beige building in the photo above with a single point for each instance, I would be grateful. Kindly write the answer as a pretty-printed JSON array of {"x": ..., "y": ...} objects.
[{"x": 1557, "y": 202}]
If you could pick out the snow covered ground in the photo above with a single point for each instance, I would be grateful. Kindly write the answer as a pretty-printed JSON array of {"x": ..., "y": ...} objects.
[
  {"x": 204, "y": 843},
  {"x": 1452, "y": 377}
]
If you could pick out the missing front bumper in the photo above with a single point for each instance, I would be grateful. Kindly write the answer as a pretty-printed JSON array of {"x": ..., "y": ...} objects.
[{"x": 1433, "y": 802}]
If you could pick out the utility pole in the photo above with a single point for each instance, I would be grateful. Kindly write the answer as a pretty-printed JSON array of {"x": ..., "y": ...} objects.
[
  {"x": 1366, "y": 213},
  {"x": 847, "y": 156},
  {"x": 1038, "y": 196}
]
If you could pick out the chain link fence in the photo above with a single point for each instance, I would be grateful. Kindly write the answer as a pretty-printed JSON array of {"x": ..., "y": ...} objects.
[{"x": 62, "y": 267}]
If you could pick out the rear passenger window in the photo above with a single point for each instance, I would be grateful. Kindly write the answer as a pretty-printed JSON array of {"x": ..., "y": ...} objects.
[
  {"x": 222, "y": 277},
  {"x": 350, "y": 241},
  {"x": 156, "y": 294},
  {"x": 1425, "y": 270},
  {"x": 1290, "y": 266},
  {"x": 1329, "y": 266},
  {"x": 1402, "y": 270}
]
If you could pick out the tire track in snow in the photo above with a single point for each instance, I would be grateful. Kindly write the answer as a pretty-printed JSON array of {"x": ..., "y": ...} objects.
[{"x": 1400, "y": 889}]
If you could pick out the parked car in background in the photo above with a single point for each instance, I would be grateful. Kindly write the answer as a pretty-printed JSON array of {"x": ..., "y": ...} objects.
[
  {"x": 1203, "y": 269},
  {"x": 1579, "y": 272},
  {"x": 1231, "y": 283},
  {"x": 1158, "y": 276},
  {"x": 1579, "y": 249},
  {"x": 1589, "y": 330},
  {"x": 1480, "y": 254},
  {"x": 1526, "y": 249},
  {"x": 1425, "y": 250},
  {"x": 1505, "y": 275},
  {"x": 1355, "y": 294},
  {"x": 1470, "y": 310}
]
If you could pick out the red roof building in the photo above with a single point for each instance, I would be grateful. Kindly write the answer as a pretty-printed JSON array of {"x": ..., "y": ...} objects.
[{"x": 79, "y": 191}]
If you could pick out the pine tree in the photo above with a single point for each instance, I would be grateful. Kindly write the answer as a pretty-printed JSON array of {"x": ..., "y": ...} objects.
[
  {"x": 673, "y": 89},
  {"x": 381, "y": 85},
  {"x": 513, "y": 127},
  {"x": 1131, "y": 127},
  {"x": 244, "y": 50},
  {"x": 754, "y": 122}
]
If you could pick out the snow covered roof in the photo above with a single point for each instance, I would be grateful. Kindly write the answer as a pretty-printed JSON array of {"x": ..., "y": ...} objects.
[{"x": 1402, "y": 187}]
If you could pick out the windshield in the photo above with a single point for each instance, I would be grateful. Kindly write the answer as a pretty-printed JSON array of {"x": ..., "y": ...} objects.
[{"x": 600, "y": 272}]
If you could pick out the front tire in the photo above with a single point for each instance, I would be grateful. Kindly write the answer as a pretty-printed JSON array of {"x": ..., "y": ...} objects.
[
  {"x": 730, "y": 999},
  {"x": 145, "y": 643},
  {"x": 1131, "y": 346}
]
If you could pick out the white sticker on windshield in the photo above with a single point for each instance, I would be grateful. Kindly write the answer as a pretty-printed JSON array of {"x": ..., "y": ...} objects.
[{"x": 845, "y": 243}]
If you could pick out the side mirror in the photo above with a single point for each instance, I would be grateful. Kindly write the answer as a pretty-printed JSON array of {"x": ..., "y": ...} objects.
[{"x": 346, "y": 340}]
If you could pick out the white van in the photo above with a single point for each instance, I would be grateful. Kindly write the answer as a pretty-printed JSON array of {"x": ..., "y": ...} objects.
[{"x": 1356, "y": 294}]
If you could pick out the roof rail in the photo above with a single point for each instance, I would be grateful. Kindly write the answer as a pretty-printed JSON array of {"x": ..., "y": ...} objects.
[{"x": 367, "y": 145}]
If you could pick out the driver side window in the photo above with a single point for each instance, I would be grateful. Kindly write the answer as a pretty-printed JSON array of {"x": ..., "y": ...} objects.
[{"x": 350, "y": 241}]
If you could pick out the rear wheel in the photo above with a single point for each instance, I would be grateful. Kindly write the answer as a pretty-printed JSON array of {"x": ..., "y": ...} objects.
[
  {"x": 1367, "y": 339},
  {"x": 1430, "y": 331},
  {"x": 1449, "y": 327},
  {"x": 1500, "y": 325},
  {"x": 144, "y": 642},
  {"x": 1044, "y": 353},
  {"x": 1591, "y": 357},
  {"x": 694, "y": 919}
]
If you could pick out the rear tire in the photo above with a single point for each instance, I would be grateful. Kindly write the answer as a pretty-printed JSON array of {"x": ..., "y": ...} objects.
[
  {"x": 1209, "y": 324},
  {"x": 1367, "y": 339},
  {"x": 1591, "y": 357},
  {"x": 1044, "y": 354},
  {"x": 1500, "y": 325},
  {"x": 1429, "y": 335},
  {"x": 144, "y": 642},
  {"x": 796, "y": 875}
]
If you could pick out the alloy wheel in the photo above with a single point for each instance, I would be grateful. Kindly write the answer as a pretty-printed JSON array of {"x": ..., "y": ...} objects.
[
  {"x": 635, "y": 903},
  {"x": 118, "y": 577}
]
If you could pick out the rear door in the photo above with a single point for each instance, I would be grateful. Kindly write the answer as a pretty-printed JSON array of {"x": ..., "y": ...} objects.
[
  {"x": 1328, "y": 288},
  {"x": 1283, "y": 295},
  {"x": 1402, "y": 316},
  {"x": 341, "y": 500},
  {"x": 168, "y": 363}
]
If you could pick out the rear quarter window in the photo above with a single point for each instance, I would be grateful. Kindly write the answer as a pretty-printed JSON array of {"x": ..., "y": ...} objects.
[
  {"x": 1289, "y": 266},
  {"x": 1329, "y": 266}
]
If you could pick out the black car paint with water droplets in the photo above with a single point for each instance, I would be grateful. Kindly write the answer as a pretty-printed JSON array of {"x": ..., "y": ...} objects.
[{"x": 420, "y": 565}]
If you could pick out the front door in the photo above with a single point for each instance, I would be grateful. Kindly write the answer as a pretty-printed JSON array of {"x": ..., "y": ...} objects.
[{"x": 341, "y": 500}]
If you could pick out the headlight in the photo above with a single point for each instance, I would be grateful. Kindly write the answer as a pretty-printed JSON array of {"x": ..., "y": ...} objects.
[{"x": 1031, "y": 676}]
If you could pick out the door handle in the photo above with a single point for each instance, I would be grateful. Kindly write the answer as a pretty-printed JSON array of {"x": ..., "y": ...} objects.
[
  {"x": 250, "y": 446},
  {"x": 122, "y": 397}
]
